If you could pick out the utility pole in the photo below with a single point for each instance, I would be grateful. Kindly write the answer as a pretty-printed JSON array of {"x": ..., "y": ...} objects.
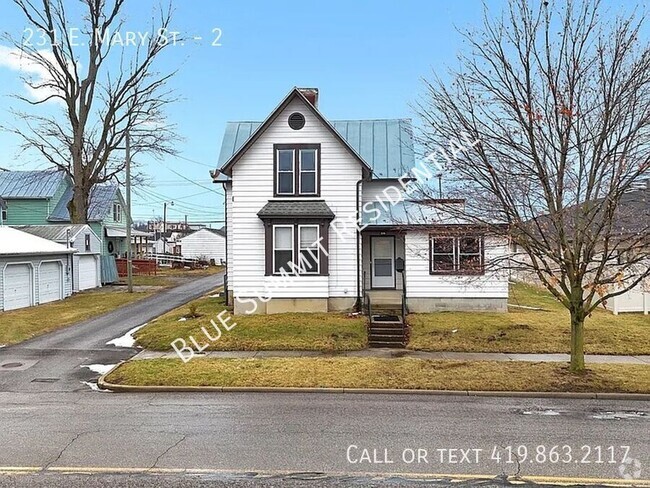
[
  {"x": 129, "y": 251},
  {"x": 164, "y": 219}
]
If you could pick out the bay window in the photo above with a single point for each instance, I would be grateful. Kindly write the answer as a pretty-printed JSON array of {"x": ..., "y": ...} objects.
[{"x": 297, "y": 248}]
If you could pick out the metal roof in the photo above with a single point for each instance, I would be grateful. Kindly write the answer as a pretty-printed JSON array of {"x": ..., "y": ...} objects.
[
  {"x": 409, "y": 213},
  {"x": 15, "y": 242},
  {"x": 99, "y": 203},
  {"x": 30, "y": 184},
  {"x": 55, "y": 232},
  {"x": 386, "y": 145},
  {"x": 296, "y": 208}
]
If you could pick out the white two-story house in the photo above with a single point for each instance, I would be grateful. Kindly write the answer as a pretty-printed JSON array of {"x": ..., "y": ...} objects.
[{"x": 313, "y": 224}]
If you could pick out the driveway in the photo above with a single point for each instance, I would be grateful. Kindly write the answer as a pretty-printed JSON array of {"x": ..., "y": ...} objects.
[{"x": 53, "y": 362}]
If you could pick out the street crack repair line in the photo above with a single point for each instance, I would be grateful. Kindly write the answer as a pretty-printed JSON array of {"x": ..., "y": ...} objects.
[{"x": 154, "y": 465}]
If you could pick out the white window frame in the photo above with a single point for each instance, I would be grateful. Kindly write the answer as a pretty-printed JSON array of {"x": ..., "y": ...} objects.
[
  {"x": 293, "y": 172},
  {"x": 117, "y": 212},
  {"x": 300, "y": 226},
  {"x": 293, "y": 247},
  {"x": 315, "y": 171},
  {"x": 456, "y": 255},
  {"x": 4, "y": 213}
]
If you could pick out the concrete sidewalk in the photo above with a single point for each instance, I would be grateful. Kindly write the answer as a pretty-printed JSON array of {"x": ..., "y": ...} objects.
[{"x": 405, "y": 353}]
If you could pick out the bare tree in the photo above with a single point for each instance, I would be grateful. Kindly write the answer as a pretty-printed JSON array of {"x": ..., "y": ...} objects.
[
  {"x": 101, "y": 89},
  {"x": 558, "y": 95}
]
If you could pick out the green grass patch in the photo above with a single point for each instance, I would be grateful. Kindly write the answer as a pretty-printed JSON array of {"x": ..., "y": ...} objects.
[
  {"x": 286, "y": 331},
  {"x": 20, "y": 325},
  {"x": 528, "y": 331},
  {"x": 382, "y": 373}
]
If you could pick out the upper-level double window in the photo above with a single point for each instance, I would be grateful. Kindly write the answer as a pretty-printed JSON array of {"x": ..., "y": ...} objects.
[{"x": 297, "y": 170}]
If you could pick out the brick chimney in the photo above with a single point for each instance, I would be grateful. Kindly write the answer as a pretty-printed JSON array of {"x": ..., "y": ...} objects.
[{"x": 310, "y": 94}]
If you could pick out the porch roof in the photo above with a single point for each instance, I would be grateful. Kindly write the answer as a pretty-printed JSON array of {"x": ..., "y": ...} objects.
[{"x": 408, "y": 213}]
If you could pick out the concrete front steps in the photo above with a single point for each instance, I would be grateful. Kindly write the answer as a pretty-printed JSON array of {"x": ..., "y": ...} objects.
[{"x": 387, "y": 329}]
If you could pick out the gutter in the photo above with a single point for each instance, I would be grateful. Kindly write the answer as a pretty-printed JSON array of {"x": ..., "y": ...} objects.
[{"x": 358, "y": 306}]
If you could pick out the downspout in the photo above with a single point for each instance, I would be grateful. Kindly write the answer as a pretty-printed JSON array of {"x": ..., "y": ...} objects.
[
  {"x": 225, "y": 224},
  {"x": 358, "y": 306}
]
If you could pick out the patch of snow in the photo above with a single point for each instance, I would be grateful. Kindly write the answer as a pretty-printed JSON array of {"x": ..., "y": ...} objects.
[
  {"x": 127, "y": 340},
  {"x": 182, "y": 319},
  {"x": 93, "y": 386},
  {"x": 99, "y": 368},
  {"x": 216, "y": 295},
  {"x": 549, "y": 412},
  {"x": 3, "y": 345},
  {"x": 619, "y": 415},
  {"x": 454, "y": 331}
]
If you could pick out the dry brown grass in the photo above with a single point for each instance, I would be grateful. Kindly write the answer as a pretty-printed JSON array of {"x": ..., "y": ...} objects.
[
  {"x": 20, "y": 325},
  {"x": 286, "y": 331},
  {"x": 382, "y": 373},
  {"x": 528, "y": 331}
]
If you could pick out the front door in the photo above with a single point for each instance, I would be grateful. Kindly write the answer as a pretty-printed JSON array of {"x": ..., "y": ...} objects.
[{"x": 382, "y": 257}]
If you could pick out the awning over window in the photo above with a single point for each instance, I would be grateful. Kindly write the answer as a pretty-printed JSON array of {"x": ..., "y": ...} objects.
[{"x": 296, "y": 209}]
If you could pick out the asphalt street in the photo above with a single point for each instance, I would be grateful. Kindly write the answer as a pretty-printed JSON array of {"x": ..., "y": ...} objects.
[{"x": 53, "y": 424}]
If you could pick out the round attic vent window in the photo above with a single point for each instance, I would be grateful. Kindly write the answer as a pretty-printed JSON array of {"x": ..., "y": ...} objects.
[{"x": 296, "y": 121}]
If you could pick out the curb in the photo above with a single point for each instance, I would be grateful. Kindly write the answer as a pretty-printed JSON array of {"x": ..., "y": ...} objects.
[{"x": 104, "y": 385}]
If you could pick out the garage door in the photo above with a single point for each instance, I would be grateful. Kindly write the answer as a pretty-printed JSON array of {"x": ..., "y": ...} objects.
[
  {"x": 87, "y": 272},
  {"x": 18, "y": 287},
  {"x": 50, "y": 282}
]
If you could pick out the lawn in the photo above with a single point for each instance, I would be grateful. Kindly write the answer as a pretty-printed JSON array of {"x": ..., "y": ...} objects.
[
  {"x": 382, "y": 373},
  {"x": 169, "y": 277},
  {"x": 20, "y": 325},
  {"x": 287, "y": 331},
  {"x": 528, "y": 331}
]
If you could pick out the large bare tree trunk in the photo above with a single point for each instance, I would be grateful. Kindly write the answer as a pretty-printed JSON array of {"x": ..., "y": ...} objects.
[{"x": 105, "y": 92}]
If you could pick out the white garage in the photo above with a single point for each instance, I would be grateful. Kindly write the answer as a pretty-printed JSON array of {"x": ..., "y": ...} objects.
[
  {"x": 86, "y": 270},
  {"x": 50, "y": 281},
  {"x": 18, "y": 279},
  {"x": 33, "y": 270}
]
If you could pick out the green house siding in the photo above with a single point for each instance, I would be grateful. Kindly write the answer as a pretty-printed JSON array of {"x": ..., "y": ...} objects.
[{"x": 27, "y": 211}]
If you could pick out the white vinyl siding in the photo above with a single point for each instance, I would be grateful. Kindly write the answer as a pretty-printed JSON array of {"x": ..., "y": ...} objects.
[
  {"x": 421, "y": 284},
  {"x": 252, "y": 188},
  {"x": 204, "y": 244}
]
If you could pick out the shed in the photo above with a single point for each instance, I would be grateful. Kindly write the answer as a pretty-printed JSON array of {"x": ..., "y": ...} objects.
[
  {"x": 33, "y": 270},
  {"x": 86, "y": 270},
  {"x": 208, "y": 244}
]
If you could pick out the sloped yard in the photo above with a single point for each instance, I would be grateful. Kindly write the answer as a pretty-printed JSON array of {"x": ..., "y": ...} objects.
[
  {"x": 288, "y": 331},
  {"x": 524, "y": 330}
]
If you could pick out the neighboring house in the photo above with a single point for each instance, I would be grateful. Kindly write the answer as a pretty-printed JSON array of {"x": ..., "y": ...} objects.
[
  {"x": 34, "y": 270},
  {"x": 634, "y": 219},
  {"x": 86, "y": 272},
  {"x": 298, "y": 179},
  {"x": 42, "y": 197},
  {"x": 208, "y": 244},
  {"x": 630, "y": 225},
  {"x": 168, "y": 243}
]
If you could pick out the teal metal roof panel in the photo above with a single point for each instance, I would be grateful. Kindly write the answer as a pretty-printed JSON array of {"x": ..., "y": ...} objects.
[
  {"x": 100, "y": 203},
  {"x": 29, "y": 184},
  {"x": 386, "y": 145}
]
